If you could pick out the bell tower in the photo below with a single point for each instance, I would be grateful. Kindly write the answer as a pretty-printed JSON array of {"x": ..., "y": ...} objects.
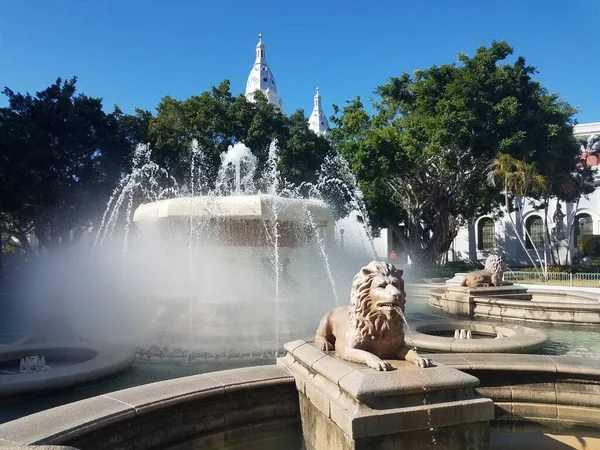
[
  {"x": 317, "y": 122},
  {"x": 261, "y": 78}
]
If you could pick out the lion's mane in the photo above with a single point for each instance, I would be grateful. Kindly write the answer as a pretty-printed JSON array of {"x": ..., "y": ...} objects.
[
  {"x": 494, "y": 264},
  {"x": 366, "y": 323}
]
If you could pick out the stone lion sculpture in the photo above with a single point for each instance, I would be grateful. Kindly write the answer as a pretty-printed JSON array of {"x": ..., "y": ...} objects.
[
  {"x": 490, "y": 275},
  {"x": 371, "y": 328}
]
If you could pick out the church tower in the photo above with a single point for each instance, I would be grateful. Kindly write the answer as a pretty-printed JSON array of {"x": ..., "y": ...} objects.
[
  {"x": 261, "y": 78},
  {"x": 317, "y": 122}
]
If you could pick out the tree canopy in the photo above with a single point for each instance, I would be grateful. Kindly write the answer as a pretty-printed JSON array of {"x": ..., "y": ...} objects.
[
  {"x": 423, "y": 155},
  {"x": 60, "y": 153},
  {"x": 217, "y": 119}
]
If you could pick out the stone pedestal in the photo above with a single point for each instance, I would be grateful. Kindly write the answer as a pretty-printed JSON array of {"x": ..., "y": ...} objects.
[
  {"x": 457, "y": 279},
  {"x": 460, "y": 300},
  {"x": 347, "y": 406}
]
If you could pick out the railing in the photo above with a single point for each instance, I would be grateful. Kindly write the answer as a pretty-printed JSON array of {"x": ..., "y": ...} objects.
[{"x": 554, "y": 278}]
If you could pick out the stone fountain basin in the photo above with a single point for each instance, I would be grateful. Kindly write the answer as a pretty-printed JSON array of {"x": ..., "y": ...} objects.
[
  {"x": 439, "y": 336},
  {"x": 69, "y": 365},
  {"x": 240, "y": 207},
  {"x": 519, "y": 302},
  {"x": 208, "y": 410},
  {"x": 239, "y": 221}
]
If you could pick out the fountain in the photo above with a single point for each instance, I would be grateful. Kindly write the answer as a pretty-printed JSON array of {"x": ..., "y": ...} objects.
[
  {"x": 33, "y": 364},
  {"x": 192, "y": 276},
  {"x": 484, "y": 294},
  {"x": 465, "y": 336},
  {"x": 227, "y": 266},
  {"x": 236, "y": 228},
  {"x": 24, "y": 371},
  {"x": 231, "y": 271},
  {"x": 333, "y": 403}
]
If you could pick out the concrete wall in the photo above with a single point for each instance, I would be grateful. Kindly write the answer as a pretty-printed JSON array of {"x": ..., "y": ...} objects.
[{"x": 560, "y": 389}]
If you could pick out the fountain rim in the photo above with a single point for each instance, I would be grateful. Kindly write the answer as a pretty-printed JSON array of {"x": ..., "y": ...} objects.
[
  {"x": 239, "y": 207},
  {"x": 93, "y": 416},
  {"x": 99, "y": 361},
  {"x": 517, "y": 338}
]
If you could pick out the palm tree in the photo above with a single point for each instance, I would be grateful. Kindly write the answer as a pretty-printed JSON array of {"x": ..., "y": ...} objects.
[{"x": 518, "y": 179}]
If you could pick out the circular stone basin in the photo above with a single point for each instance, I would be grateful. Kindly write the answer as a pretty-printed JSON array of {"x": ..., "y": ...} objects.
[
  {"x": 439, "y": 336},
  {"x": 68, "y": 365}
]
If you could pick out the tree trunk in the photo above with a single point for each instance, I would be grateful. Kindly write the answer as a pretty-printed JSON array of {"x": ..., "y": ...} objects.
[
  {"x": 426, "y": 249},
  {"x": 517, "y": 234},
  {"x": 571, "y": 232}
]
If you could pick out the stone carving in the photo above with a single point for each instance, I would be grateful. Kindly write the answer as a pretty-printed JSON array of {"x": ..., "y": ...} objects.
[
  {"x": 371, "y": 328},
  {"x": 491, "y": 275}
]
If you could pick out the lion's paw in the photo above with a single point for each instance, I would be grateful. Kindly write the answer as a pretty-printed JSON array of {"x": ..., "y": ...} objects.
[
  {"x": 424, "y": 362},
  {"x": 325, "y": 346},
  {"x": 377, "y": 363}
]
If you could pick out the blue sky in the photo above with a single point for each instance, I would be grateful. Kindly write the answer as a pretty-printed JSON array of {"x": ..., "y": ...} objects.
[{"x": 133, "y": 52}]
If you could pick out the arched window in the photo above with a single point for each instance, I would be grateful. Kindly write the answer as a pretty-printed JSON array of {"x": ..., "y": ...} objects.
[
  {"x": 486, "y": 234},
  {"x": 535, "y": 228},
  {"x": 586, "y": 228}
]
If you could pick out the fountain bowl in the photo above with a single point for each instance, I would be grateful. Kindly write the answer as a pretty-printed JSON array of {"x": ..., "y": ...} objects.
[
  {"x": 438, "y": 336},
  {"x": 69, "y": 365}
]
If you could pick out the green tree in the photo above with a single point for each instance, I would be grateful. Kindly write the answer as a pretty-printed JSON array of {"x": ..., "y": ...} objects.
[
  {"x": 217, "y": 119},
  {"x": 60, "y": 155},
  {"x": 423, "y": 155}
]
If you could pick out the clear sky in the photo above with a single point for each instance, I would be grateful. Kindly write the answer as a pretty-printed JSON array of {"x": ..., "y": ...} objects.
[{"x": 133, "y": 52}]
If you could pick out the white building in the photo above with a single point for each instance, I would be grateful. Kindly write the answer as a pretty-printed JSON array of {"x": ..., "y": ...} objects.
[
  {"x": 261, "y": 79},
  {"x": 317, "y": 122},
  {"x": 565, "y": 219}
]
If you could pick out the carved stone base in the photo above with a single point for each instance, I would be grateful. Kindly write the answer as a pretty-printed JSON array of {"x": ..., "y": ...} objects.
[
  {"x": 347, "y": 406},
  {"x": 459, "y": 300}
]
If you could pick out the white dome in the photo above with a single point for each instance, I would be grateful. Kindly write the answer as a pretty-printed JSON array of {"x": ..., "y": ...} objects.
[{"x": 261, "y": 78}]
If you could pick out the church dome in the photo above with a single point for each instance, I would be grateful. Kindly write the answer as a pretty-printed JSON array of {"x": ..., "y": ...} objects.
[{"x": 261, "y": 78}]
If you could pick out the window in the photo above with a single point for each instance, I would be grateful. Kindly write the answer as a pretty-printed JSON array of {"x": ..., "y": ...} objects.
[
  {"x": 586, "y": 228},
  {"x": 535, "y": 228},
  {"x": 486, "y": 234}
]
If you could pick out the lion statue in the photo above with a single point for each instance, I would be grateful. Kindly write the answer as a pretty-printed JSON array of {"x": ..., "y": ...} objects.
[
  {"x": 371, "y": 328},
  {"x": 490, "y": 275}
]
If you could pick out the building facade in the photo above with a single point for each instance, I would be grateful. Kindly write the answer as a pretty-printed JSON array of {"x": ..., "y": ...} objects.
[{"x": 572, "y": 227}]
